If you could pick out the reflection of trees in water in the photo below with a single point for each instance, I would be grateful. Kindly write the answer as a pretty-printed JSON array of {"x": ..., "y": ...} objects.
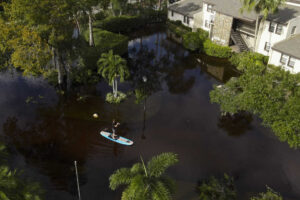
[
  {"x": 218, "y": 68},
  {"x": 53, "y": 141},
  {"x": 177, "y": 81},
  {"x": 167, "y": 58},
  {"x": 237, "y": 124},
  {"x": 142, "y": 64}
]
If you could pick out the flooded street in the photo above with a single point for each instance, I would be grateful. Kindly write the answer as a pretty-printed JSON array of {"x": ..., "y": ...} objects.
[{"x": 46, "y": 132}]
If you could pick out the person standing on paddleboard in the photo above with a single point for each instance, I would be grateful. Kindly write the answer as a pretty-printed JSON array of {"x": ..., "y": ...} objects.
[{"x": 114, "y": 126}]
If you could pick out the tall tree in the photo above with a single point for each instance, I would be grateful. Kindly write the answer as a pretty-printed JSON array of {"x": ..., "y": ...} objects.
[
  {"x": 265, "y": 7},
  {"x": 113, "y": 67},
  {"x": 268, "y": 91},
  {"x": 146, "y": 181}
]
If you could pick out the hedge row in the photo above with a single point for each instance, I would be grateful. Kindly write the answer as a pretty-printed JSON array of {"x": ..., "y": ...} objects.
[
  {"x": 212, "y": 49},
  {"x": 199, "y": 41},
  {"x": 194, "y": 40},
  {"x": 127, "y": 24},
  {"x": 178, "y": 28},
  {"x": 104, "y": 41}
]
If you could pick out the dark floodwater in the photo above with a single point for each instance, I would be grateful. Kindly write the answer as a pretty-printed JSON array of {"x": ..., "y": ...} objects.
[{"x": 48, "y": 133}]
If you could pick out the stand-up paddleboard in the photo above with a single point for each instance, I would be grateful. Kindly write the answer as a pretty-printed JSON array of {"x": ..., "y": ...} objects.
[{"x": 119, "y": 139}]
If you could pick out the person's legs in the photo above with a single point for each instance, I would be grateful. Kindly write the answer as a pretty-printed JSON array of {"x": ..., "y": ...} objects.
[{"x": 113, "y": 133}]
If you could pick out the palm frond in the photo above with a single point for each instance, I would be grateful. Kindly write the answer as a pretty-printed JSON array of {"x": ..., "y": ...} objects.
[
  {"x": 169, "y": 184},
  {"x": 160, "y": 192},
  {"x": 158, "y": 164},
  {"x": 135, "y": 190},
  {"x": 120, "y": 177},
  {"x": 137, "y": 169}
]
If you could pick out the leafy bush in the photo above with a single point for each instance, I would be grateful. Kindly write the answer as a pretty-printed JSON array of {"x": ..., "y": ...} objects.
[
  {"x": 127, "y": 24},
  {"x": 269, "y": 195},
  {"x": 151, "y": 16},
  {"x": 122, "y": 24},
  {"x": 116, "y": 100},
  {"x": 104, "y": 41},
  {"x": 194, "y": 40},
  {"x": 212, "y": 49},
  {"x": 222, "y": 189},
  {"x": 178, "y": 28},
  {"x": 242, "y": 60}
]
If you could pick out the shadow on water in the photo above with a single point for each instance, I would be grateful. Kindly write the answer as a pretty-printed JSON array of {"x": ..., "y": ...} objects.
[
  {"x": 237, "y": 124},
  {"x": 168, "y": 111}
]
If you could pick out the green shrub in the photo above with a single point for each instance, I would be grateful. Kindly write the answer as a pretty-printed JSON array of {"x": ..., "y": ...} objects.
[
  {"x": 269, "y": 195},
  {"x": 104, "y": 41},
  {"x": 218, "y": 189},
  {"x": 194, "y": 40},
  {"x": 179, "y": 30},
  {"x": 115, "y": 100},
  {"x": 127, "y": 24},
  {"x": 212, "y": 49},
  {"x": 243, "y": 60},
  {"x": 151, "y": 16},
  {"x": 100, "y": 15},
  {"x": 122, "y": 24}
]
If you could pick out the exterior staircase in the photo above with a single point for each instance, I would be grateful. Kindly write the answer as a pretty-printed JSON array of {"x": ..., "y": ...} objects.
[{"x": 238, "y": 40}]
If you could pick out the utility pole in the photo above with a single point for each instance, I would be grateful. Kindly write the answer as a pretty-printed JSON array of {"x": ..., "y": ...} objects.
[{"x": 78, "y": 187}]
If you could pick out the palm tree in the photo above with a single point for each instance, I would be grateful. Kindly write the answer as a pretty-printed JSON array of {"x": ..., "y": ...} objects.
[
  {"x": 146, "y": 182},
  {"x": 112, "y": 67},
  {"x": 262, "y": 6}
]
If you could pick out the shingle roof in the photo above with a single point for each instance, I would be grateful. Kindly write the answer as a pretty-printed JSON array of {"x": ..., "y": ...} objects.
[
  {"x": 187, "y": 7},
  {"x": 290, "y": 46},
  {"x": 232, "y": 8}
]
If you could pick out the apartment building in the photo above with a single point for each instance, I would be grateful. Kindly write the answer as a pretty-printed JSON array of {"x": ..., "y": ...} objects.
[{"x": 227, "y": 25}]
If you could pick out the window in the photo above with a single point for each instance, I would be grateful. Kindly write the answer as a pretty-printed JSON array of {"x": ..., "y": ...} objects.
[
  {"x": 284, "y": 58},
  {"x": 292, "y": 62},
  {"x": 293, "y": 30},
  {"x": 279, "y": 29},
  {"x": 184, "y": 19},
  {"x": 209, "y": 8},
  {"x": 272, "y": 27},
  {"x": 206, "y": 23},
  {"x": 172, "y": 13},
  {"x": 188, "y": 20},
  {"x": 267, "y": 46}
]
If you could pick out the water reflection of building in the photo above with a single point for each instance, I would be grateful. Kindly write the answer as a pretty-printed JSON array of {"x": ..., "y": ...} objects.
[{"x": 219, "y": 69}]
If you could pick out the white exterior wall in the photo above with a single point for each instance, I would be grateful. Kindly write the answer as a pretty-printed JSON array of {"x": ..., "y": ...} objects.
[
  {"x": 177, "y": 16},
  {"x": 198, "y": 20},
  {"x": 207, "y": 16},
  {"x": 266, "y": 36},
  {"x": 275, "y": 60},
  {"x": 294, "y": 22}
]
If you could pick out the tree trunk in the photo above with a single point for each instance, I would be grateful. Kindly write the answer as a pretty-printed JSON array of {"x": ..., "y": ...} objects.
[
  {"x": 116, "y": 89},
  {"x": 68, "y": 71},
  {"x": 58, "y": 67},
  {"x": 91, "y": 41},
  {"x": 77, "y": 24},
  {"x": 256, "y": 30},
  {"x": 159, "y": 5},
  {"x": 113, "y": 86}
]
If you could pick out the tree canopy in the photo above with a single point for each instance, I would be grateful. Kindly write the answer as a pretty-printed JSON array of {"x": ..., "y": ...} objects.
[
  {"x": 267, "y": 91},
  {"x": 217, "y": 189},
  {"x": 145, "y": 182},
  {"x": 265, "y": 7},
  {"x": 12, "y": 185}
]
